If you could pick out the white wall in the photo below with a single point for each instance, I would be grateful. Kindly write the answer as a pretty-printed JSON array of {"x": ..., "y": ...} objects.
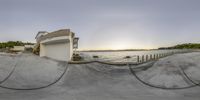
[
  {"x": 42, "y": 50},
  {"x": 59, "y": 51},
  {"x": 18, "y": 48}
]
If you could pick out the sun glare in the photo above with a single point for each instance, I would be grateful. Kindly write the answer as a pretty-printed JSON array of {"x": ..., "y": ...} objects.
[
  {"x": 120, "y": 46},
  {"x": 128, "y": 45}
]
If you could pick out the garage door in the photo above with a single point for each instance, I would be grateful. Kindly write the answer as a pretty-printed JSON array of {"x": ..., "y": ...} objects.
[{"x": 59, "y": 51}]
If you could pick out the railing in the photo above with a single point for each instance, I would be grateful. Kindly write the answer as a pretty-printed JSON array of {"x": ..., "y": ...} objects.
[
  {"x": 134, "y": 59},
  {"x": 151, "y": 57}
]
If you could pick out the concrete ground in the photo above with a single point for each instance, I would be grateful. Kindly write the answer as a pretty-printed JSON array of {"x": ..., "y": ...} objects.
[{"x": 97, "y": 81}]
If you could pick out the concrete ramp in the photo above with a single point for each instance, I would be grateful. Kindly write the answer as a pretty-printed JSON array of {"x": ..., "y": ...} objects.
[
  {"x": 7, "y": 63},
  {"x": 31, "y": 71},
  {"x": 93, "y": 74},
  {"x": 97, "y": 81},
  {"x": 167, "y": 71}
]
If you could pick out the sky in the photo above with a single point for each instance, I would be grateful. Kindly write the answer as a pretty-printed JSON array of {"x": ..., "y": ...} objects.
[{"x": 104, "y": 24}]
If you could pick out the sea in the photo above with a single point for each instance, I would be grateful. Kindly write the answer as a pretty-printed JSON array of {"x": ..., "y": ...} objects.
[{"x": 121, "y": 56}]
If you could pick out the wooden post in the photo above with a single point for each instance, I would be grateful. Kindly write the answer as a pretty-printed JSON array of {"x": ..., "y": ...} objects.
[
  {"x": 142, "y": 58},
  {"x": 150, "y": 56},
  {"x": 147, "y": 58},
  {"x": 138, "y": 59}
]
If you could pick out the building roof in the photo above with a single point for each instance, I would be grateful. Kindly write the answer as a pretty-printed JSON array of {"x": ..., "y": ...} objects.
[
  {"x": 62, "y": 32},
  {"x": 40, "y": 33}
]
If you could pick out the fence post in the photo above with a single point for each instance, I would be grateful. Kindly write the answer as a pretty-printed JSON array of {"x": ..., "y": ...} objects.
[
  {"x": 147, "y": 58},
  {"x": 138, "y": 59},
  {"x": 150, "y": 56},
  {"x": 142, "y": 58}
]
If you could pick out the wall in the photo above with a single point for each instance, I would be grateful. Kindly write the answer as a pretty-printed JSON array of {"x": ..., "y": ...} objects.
[{"x": 18, "y": 48}]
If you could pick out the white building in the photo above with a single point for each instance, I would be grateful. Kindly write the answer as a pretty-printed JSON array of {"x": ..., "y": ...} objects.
[
  {"x": 28, "y": 46},
  {"x": 56, "y": 45},
  {"x": 18, "y": 48}
]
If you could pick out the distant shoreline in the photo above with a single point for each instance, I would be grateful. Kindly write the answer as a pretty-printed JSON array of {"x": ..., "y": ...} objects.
[{"x": 179, "y": 46}]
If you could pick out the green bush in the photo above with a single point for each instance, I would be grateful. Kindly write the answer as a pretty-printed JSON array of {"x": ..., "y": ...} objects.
[{"x": 11, "y": 44}]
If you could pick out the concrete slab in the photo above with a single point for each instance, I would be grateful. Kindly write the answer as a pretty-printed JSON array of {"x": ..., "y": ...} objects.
[{"x": 95, "y": 81}]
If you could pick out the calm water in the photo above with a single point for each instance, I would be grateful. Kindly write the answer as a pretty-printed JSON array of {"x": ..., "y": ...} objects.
[{"x": 120, "y": 55}]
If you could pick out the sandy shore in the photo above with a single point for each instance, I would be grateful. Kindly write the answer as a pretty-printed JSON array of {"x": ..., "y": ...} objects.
[{"x": 97, "y": 81}]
